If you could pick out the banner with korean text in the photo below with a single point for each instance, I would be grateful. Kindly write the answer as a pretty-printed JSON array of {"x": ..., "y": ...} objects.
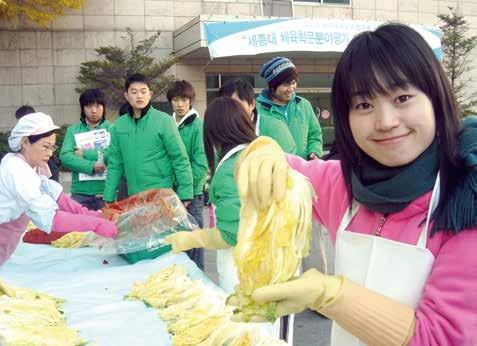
[{"x": 239, "y": 37}]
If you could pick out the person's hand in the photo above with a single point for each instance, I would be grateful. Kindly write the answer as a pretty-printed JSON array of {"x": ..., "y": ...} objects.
[
  {"x": 312, "y": 290},
  {"x": 99, "y": 167},
  {"x": 209, "y": 238},
  {"x": 262, "y": 172},
  {"x": 106, "y": 228},
  {"x": 186, "y": 203},
  {"x": 79, "y": 152},
  {"x": 313, "y": 156}
]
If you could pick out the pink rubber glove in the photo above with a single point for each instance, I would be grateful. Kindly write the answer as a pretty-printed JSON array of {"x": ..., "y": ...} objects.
[
  {"x": 66, "y": 222},
  {"x": 68, "y": 204}
]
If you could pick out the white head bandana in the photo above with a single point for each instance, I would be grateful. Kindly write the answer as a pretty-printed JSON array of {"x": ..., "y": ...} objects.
[{"x": 30, "y": 124}]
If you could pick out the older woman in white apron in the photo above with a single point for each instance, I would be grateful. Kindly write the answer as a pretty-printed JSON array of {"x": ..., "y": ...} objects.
[
  {"x": 399, "y": 206},
  {"x": 26, "y": 193}
]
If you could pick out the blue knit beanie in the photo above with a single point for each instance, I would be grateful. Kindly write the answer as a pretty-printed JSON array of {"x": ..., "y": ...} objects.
[{"x": 274, "y": 67}]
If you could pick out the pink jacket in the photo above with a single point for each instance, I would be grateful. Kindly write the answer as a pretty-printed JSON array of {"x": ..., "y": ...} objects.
[{"x": 447, "y": 312}]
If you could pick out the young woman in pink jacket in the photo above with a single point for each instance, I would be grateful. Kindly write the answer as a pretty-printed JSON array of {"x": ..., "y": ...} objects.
[{"x": 400, "y": 206}]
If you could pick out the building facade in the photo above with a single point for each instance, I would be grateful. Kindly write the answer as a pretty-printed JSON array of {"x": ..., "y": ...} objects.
[{"x": 39, "y": 66}]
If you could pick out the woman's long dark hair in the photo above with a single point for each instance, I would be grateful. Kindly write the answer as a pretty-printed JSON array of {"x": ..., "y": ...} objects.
[
  {"x": 226, "y": 125},
  {"x": 395, "y": 55}
]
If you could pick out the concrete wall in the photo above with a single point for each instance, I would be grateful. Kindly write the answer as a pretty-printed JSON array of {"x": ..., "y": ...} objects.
[{"x": 39, "y": 66}]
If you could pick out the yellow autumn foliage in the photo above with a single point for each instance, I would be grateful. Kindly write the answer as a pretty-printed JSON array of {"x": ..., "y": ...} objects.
[{"x": 41, "y": 12}]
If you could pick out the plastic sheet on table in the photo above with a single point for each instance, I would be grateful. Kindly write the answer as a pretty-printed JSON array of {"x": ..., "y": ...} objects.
[{"x": 143, "y": 221}]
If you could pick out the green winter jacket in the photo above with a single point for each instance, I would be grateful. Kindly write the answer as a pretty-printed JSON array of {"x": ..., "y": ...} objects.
[
  {"x": 150, "y": 154},
  {"x": 191, "y": 131},
  {"x": 223, "y": 194},
  {"x": 84, "y": 164},
  {"x": 301, "y": 121},
  {"x": 277, "y": 130}
]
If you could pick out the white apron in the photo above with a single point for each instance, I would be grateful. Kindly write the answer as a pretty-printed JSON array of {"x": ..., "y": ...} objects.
[
  {"x": 228, "y": 275},
  {"x": 392, "y": 268}
]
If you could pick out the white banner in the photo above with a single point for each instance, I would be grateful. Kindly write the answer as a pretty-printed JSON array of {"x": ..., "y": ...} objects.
[{"x": 291, "y": 35}]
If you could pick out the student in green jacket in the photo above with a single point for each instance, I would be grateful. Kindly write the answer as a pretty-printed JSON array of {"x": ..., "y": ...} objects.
[
  {"x": 227, "y": 131},
  {"x": 181, "y": 95},
  {"x": 242, "y": 91},
  {"x": 281, "y": 102},
  {"x": 146, "y": 147},
  {"x": 88, "y": 193}
]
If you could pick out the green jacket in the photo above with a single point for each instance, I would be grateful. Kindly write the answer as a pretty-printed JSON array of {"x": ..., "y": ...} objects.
[
  {"x": 191, "y": 131},
  {"x": 150, "y": 153},
  {"x": 301, "y": 121},
  {"x": 277, "y": 130},
  {"x": 84, "y": 164},
  {"x": 223, "y": 194}
]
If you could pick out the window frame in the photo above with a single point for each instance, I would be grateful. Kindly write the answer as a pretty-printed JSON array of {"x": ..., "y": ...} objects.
[{"x": 320, "y": 2}]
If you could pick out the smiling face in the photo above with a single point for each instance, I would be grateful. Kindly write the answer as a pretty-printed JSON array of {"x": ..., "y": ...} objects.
[
  {"x": 138, "y": 95},
  {"x": 284, "y": 92},
  {"x": 393, "y": 128},
  {"x": 40, "y": 151}
]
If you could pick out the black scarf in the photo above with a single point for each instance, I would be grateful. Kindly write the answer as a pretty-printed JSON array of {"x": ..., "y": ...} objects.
[{"x": 390, "y": 189}]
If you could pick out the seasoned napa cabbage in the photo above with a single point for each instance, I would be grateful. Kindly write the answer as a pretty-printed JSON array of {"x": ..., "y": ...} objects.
[{"x": 270, "y": 246}]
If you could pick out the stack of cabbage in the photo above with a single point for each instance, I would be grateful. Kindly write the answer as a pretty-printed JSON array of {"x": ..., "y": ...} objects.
[
  {"x": 31, "y": 318},
  {"x": 270, "y": 246},
  {"x": 195, "y": 314}
]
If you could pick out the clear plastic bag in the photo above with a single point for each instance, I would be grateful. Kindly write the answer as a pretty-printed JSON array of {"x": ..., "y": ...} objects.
[{"x": 143, "y": 221}]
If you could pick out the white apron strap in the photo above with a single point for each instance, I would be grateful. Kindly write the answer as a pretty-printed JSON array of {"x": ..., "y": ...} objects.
[
  {"x": 348, "y": 216},
  {"x": 422, "y": 241},
  {"x": 230, "y": 153}
]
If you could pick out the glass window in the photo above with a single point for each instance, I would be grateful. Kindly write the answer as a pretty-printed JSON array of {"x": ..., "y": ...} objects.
[
  {"x": 314, "y": 80},
  {"x": 321, "y": 105},
  {"x": 212, "y": 95},
  {"x": 227, "y": 77},
  {"x": 343, "y": 2},
  {"x": 338, "y": 2},
  {"x": 212, "y": 81}
]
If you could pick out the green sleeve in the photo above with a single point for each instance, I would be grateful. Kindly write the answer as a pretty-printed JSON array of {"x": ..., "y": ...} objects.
[
  {"x": 226, "y": 202},
  {"x": 315, "y": 138},
  {"x": 68, "y": 157},
  {"x": 115, "y": 168},
  {"x": 90, "y": 154},
  {"x": 177, "y": 154},
  {"x": 227, "y": 215},
  {"x": 225, "y": 198},
  {"x": 198, "y": 160}
]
